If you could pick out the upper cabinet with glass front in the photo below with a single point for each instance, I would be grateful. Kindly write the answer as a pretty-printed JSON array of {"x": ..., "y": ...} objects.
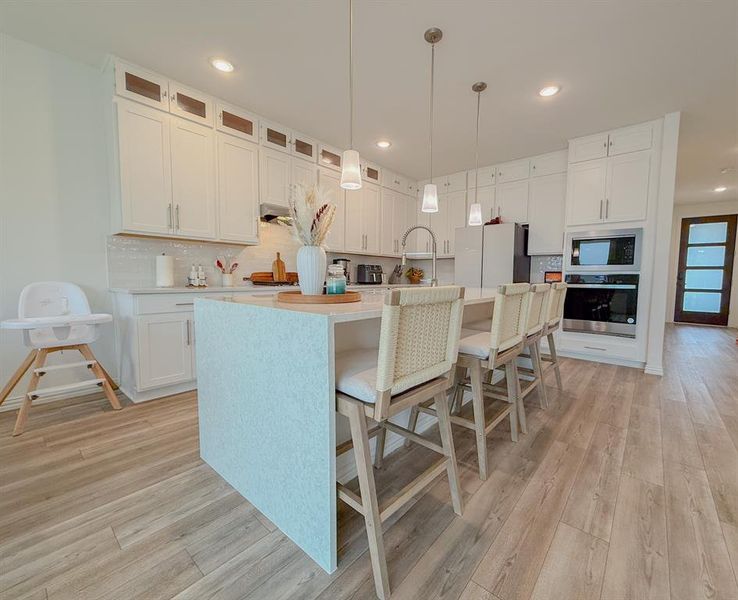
[
  {"x": 190, "y": 104},
  {"x": 142, "y": 86},
  {"x": 236, "y": 121},
  {"x": 329, "y": 157}
]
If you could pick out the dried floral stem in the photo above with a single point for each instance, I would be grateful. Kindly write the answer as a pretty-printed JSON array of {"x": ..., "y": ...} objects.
[{"x": 312, "y": 216}]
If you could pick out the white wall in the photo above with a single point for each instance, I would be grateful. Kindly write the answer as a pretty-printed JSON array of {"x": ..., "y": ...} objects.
[
  {"x": 53, "y": 186},
  {"x": 682, "y": 211}
]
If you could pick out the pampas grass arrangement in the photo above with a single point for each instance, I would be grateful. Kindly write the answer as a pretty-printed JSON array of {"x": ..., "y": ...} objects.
[{"x": 312, "y": 214}]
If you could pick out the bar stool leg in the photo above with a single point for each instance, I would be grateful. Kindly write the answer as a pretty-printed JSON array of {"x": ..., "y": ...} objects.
[
  {"x": 369, "y": 502},
  {"x": 518, "y": 397},
  {"x": 510, "y": 380},
  {"x": 16, "y": 377},
  {"x": 412, "y": 421},
  {"x": 475, "y": 371},
  {"x": 20, "y": 422},
  {"x": 447, "y": 440},
  {"x": 535, "y": 356},
  {"x": 554, "y": 360},
  {"x": 379, "y": 448}
]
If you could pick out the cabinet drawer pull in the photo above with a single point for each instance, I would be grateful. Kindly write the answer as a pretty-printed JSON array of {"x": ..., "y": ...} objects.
[
  {"x": 176, "y": 215},
  {"x": 607, "y": 208},
  {"x": 184, "y": 304},
  {"x": 188, "y": 332},
  {"x": 169, "y": 216}
]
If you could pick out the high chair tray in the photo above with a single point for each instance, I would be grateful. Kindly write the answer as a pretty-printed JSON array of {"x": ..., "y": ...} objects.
[{"x": 61, "y": 321}]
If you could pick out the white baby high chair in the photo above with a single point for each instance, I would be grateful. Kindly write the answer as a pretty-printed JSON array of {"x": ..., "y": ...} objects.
[{"x": 56, "y": 316}]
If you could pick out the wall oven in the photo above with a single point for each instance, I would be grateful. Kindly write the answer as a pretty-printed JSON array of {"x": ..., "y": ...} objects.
[
  {"x": 601, "y": 303},
  {"x": 614, "y": 251}
]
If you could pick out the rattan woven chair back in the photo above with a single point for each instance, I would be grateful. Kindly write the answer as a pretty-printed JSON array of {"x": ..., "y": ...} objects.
[
  {"x": 419, "y": 339},
  {"x": 509, "y": 317},
  {"x": 555, "y": 305},
  {"x": 537, "y": 304}
]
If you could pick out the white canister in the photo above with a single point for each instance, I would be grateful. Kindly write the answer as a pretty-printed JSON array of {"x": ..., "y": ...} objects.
[
  {"x": 226, "y": 279},
  {"x": 164, "y": 271}
]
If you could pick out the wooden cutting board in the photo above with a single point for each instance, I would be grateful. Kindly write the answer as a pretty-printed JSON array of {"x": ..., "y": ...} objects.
[{"x": 278, "y": 269}]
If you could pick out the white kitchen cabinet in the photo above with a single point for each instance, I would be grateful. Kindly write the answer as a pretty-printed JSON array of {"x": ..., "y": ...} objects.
[
  {"x": 304, "y": 147},
  {"x": 363, "y": 208},
  {"x": 145, "y": 184},
  {"x": 387, "y": 231},
  {"x": 485, "y": 177},
  {"x": 275, "y": 136},
  {"x": 549, "y": 164},
  {"x": 238, "y": 189},
  {"x": 585, "y": 196},
  {"x": 512, "y": 201},
  {"x": 455, "y": 217},
  {"x": 590, "y": 147},
  {"x": 546, "y": 214},
  {"x": 235, "y": 121},
  {"x": 329, "y": 157},
  {"x": 515, "y": 170},
  {"x": 190, "y": 104},
  {"x": 303, "y": 173},
  {"x": 609, "y": 190},
  {"x": 331, "y": 182},
  {"x": 193, "y": 179},
  {"x": 630, "y": 139},
  {"x": 141, "y": 85},
  {"x": 165, "y": 350},
  {"x": 419, "y": 240},
  {"x": 371, "y": 173},
  {"x": 627, "y": 186},
  {"x": 486, "y": 197},
  {"x": 449, "y": 184},
  {"x": 274, "y": 177}
]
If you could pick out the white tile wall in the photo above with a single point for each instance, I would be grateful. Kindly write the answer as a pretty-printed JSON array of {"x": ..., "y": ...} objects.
[{"x": 540, "y": 264}]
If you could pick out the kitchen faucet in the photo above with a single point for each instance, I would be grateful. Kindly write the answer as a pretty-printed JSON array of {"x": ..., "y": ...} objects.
[{"x": 434, "y": 281}]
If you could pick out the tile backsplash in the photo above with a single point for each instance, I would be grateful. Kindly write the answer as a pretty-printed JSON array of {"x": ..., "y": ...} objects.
[{"x": 540, "y": 264}]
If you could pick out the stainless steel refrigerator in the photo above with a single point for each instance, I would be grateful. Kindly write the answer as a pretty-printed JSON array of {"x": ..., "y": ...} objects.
[{"x": 491, "y": 255}]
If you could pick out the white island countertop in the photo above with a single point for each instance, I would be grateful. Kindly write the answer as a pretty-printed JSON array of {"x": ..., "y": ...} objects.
[
  {"x": 370, "y": 306},
  {"x": 246, "y": 288}
]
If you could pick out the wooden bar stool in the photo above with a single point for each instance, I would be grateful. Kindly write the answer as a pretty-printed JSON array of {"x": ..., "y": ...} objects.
[
  {"x": 418, "y": 346},
  {"x": 533, "y": 378},
  {"x": 481, "y": 352},
  {"x": 554, "y": 313}
]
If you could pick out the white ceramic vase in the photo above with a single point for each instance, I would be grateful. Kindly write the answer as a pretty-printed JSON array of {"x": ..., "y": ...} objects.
[
  {"x": 227, "y": 279},
  {"x": 311, "y": 267}
]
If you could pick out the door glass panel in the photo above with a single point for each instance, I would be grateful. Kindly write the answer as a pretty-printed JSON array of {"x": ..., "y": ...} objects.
[
  {"x": 329, "y": 158},
  {"x": 302, "y": 147},
  {"x": 708, "y": 302},
  {"x": 276, "y": 137},
  {"x": 704, "y": 279},
  {"x": 238, "y": 123},
  {"x": 706, "y": 256},
  {"x": 143, "y": 87},
  {"x": 191, "y": 105},
  {"x": 708, "y": 233}
]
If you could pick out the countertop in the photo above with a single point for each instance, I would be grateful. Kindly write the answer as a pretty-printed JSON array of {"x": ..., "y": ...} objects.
[
  {"x": 241, "y": 289},
  {"x": 370, "y": 306}
]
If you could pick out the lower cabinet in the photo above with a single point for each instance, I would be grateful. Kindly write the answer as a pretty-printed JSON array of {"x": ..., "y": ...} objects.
[{"x": 166, "y": 349}]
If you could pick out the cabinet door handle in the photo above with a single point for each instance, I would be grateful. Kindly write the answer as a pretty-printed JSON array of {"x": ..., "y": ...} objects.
[
  {"x": 188, "y": 333},
  {"x": 169, "y": 216},
  {"x": 605, "y": 145},
  {"x": 600, "y": 209},
  {"x": 176, "y": 217},
  {"x": 607, "y": 208}
]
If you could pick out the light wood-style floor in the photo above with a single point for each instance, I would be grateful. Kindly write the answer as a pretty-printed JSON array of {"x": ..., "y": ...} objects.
[{"x": 626, "y": 487}]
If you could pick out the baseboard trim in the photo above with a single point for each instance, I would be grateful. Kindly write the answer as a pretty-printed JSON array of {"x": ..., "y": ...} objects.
[{"x": 654, "y": 370}]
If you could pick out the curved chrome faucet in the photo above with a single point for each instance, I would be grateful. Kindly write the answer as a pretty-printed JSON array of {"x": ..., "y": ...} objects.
[{"x": 434, "y": 281}]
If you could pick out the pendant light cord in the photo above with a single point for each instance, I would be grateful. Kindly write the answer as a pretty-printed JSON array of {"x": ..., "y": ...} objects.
[
  {"x": 476, "y": 153},
  {"x": 351, "y": 74},
  {"x": 433, "y": 68}
]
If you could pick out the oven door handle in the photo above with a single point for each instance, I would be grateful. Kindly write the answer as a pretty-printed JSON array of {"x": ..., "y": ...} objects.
[{"x": 603, "y": 286}]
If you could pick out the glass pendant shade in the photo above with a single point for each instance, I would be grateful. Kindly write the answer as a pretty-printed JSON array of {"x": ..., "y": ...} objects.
[
  {"x": 350, "y": 170},
  {"x": 475, "y": 214},
  {"x": 430, "y": 198}
]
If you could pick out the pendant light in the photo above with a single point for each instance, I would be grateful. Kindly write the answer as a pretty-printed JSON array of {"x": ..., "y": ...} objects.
[
  {"x": 351, "y": 163},
  {"x": 475, "y": 210},
  {"x": 430, "y": 191}
]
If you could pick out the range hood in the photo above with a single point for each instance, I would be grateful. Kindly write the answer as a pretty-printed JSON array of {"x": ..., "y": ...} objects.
[{"x": 270, "y": 212}]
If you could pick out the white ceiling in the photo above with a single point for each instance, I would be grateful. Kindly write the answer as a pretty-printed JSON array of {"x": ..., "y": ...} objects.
[{"x": 619, "y": 62}]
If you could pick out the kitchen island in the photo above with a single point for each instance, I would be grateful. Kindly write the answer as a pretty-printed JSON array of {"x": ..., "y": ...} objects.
[{"x": 266, "y": 402}]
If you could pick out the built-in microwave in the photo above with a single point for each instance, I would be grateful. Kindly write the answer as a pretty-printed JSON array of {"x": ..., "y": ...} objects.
[{"x": 604, "y": 251}]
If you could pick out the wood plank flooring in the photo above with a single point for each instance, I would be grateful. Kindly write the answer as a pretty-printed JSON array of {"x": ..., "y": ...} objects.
[{"x": 625, "y": 488}]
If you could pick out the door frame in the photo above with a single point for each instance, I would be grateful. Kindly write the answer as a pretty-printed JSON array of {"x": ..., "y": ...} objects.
[{"x": 721, "y": 318}]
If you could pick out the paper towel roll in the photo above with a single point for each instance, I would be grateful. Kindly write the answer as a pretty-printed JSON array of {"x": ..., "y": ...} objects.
[{"x": 164, "y": 271}]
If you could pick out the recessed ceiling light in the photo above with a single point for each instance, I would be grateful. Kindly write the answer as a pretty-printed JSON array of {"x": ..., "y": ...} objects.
[
  {"x": 549, "y": 90},
  {"x": 383, "y": 144},
  {"x": 720, "y": 188},
  {"x": 221, "y": 64}
]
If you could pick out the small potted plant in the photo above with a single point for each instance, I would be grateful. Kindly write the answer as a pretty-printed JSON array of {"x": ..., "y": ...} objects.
[{"x": 414, "y": 275}]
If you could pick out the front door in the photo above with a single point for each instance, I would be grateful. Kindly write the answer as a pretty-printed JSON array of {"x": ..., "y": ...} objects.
[{"x": 705, "y": 270}]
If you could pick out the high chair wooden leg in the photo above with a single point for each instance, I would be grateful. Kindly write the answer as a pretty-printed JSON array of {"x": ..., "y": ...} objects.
[
  {"x": 475, "y": 371},
  {"x": 369, "y": 501},
  {"x": 100, "y": 373},
  {"x": 16, "y": 377},
  {"x": 20, "y": 422}
]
